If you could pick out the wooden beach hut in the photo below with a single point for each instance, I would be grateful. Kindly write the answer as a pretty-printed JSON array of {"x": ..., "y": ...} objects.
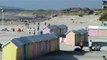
[
  {"x": 97, "y": 30},
  {"x": 83, "y": 35},
  {"x": 33, "y": 46},
  {"x": 53, "y": 42},
  {"x": 102, "y": 30},
  {"x": 93, "y": 31},
  {"x": 13, "y": 50},
  {"x": 58, "y": 29},
  {"x": 63, "y": 29},
  {"x": 26, "y": 47},
  {"x": 50, "y": 29},
  {"x": 72, "y": 38},
  {"x": 75, "y": 36},
  {"x": 62, "y": 39}
]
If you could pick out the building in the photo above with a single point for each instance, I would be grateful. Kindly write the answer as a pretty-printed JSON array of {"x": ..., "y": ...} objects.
[
  {"x": 104, "y": 5},
  {"x": 57, "y": 29},
  {"x": 30, "y": 47},
  {"x": 93, "y": 30},
  {"x": 74, "y": 37},
  {"x": 83, "y": 35},
  {"x": 97, "y": 31}
]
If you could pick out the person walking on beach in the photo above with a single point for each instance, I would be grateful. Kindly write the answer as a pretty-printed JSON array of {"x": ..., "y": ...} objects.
[
  {"x": 81, "y": 44},
  {"x": 90, "y": 45},
  {"x": 0, "y": 46}
]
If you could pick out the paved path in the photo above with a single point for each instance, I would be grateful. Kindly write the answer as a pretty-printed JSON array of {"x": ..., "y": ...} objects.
[{"x": 67, "y": 53}]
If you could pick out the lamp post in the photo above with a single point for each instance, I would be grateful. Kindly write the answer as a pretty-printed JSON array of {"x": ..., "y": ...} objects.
[{"x": 2, "y": 13}]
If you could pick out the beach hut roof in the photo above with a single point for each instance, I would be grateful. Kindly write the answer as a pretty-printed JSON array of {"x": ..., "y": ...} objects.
[
  {"x": 29, "y": 39},
  {"x": 14, "y": 41},
  {"x": 24, "y": 40},
  {"x": 73, "y": 32},
  {"x": 76, "y": 32},
  {"x": 97, "y": 27},
  {"x": 53, "y": 26},
  {"x": 62, "y": 26},
  {"x": 50, "y": 36},
  {"x": 93, "y": 27},
  {"x": 57, "y": 26},
  {"x": 17, "y": 42},
  {"x": 43, "y": 37},
  {"x": 38, "y": 38},
  {"x": 102, "y": 27},
  {"x": 81, "y": 31}
]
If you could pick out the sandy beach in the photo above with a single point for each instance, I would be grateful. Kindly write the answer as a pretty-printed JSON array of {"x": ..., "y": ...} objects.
[{"x": 73, "y": 23}]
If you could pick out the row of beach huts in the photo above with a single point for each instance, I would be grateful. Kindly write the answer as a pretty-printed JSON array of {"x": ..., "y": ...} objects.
[
  {"x": 70, "y": 38},
  {"x": 31, "y": 47}
]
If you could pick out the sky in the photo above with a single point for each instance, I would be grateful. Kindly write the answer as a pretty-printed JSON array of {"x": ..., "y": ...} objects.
[{"x": 51, "y": 4}]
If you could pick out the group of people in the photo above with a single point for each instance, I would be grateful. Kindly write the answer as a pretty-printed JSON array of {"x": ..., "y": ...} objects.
[{"x": 96, "y": 47}]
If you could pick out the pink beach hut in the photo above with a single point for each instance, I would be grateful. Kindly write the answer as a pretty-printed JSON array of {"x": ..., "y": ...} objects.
[
  {"x": 93, "y": 31},
  {"x": 57, "y": 29},
  {"x": 72, "y": 38}
]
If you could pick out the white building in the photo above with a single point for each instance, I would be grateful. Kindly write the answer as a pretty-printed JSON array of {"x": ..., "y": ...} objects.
[{"x": 104, "y": 5}]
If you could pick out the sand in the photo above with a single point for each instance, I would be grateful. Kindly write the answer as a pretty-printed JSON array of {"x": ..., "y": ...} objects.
[{"x": 73, "y": 22}]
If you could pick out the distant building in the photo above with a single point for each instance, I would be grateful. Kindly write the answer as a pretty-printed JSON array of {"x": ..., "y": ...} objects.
[
  {"x": 10, "y": 18},
  {"x": 104, "y": 5}
]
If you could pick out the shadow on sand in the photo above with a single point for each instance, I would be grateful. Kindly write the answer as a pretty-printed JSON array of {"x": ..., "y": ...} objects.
[
  {"x": 62, "y": 55},
  {"x": 100, "y": 43},
  {"x": 94, "y": 43}
]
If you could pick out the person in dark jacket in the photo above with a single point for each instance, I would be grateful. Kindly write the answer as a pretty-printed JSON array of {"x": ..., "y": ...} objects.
[{"x": 81, "y": 44}]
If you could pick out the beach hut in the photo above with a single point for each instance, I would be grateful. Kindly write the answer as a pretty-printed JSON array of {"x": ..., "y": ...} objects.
[
  {"x": 83, "y": 35},
  {"x": 63, "y": 29},
  {"x": 102, "y": 30},
  {"x": 50, "y": 29},
  {"x": 72, "y": 38},
  {"x": 53, "y": 42},
  {"x": 75, "y": 36},
  {"x": 26, "y": 47},
  {"x": 41, "y": 42},
  {"x": 33, "y": 46},
  {"x": 97, "y": 30},
  {"x": 58, "y": 29},
  {"x": 61, "y": 40},
  {"x": 93, "y": 31},
  {"x": 13, "y": 50}
]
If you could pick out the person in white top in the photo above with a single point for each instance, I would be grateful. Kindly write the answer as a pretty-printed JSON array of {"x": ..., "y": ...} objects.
[{"x": 90, "y": 45}]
